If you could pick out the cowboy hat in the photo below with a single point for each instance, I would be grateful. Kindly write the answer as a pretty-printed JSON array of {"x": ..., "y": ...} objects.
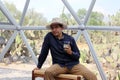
[{"x": 57, "y": 21}]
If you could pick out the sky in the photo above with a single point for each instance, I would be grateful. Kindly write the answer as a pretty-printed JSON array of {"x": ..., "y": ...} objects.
[{"x": 53, "y": 8}]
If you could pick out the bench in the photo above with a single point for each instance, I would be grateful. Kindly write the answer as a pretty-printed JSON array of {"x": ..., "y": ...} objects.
[{"x": 40, "y": 73}]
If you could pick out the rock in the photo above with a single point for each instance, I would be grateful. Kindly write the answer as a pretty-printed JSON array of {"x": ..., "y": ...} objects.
[
  {"x": 24, "y": 59},
  {"x": 2, "y": 40},
  {"x": 15, "y": 58},
  {"x": 7, "y": 60}
]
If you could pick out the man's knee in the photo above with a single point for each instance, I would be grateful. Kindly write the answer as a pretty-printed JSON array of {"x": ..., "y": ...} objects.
[
  {"x": 93, "y": 77},
  {"x": 50, "y": 72}
]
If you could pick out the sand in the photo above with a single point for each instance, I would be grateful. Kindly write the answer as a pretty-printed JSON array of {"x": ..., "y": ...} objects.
[{"x": 17, "y": 71}]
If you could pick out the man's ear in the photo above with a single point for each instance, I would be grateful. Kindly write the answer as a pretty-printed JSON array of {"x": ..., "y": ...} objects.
[{"x": 62, "y": 28}]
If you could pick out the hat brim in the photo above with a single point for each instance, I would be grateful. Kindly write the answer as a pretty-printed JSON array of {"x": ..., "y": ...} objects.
[{"x": 56, "y": 23}]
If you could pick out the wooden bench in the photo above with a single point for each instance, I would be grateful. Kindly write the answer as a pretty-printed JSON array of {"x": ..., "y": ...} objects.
[{"x": 40, "y": 73}]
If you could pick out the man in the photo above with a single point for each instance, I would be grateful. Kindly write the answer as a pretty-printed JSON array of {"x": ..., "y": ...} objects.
[{"x": 64, "y": 51}]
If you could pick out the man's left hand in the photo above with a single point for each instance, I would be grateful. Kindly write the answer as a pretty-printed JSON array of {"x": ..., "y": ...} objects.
[{"x": 68, "y": 49}]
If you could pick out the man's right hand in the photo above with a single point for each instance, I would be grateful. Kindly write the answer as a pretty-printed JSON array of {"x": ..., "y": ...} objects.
[{"x": 36, "y": 68}]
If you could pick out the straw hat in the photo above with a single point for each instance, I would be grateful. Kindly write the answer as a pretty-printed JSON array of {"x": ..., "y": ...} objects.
[{"x": 57, "y": 21}]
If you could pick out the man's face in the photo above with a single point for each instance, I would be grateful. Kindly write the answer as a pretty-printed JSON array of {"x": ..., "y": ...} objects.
[{"x": 56, "y": 30}]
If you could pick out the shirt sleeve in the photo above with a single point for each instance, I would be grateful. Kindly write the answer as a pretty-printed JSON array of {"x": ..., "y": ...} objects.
[
  {"x": 44, "y": 52},
  {"x": 75, "y": 51}
]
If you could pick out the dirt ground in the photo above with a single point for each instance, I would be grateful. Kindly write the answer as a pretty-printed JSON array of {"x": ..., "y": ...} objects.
[
  {"x": 23, "y": 71},
  {"x": 17, "y": 71}
]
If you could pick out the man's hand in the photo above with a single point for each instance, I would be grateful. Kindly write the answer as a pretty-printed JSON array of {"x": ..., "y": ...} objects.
[
  {"x": 68, "y": 49},
  {"x": 36, "y": 68}
]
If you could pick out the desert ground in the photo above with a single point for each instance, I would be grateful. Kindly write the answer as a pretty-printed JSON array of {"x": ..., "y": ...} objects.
[
  {"x": 22, "y": 71},
  {"x": 17, "y": 71}
]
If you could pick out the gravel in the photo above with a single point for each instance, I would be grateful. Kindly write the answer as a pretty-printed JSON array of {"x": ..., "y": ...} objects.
[{"x": 17, "y": 71}]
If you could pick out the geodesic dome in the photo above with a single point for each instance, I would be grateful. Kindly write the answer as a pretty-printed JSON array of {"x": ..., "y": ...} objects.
[{"x": 82, "y": 29}]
